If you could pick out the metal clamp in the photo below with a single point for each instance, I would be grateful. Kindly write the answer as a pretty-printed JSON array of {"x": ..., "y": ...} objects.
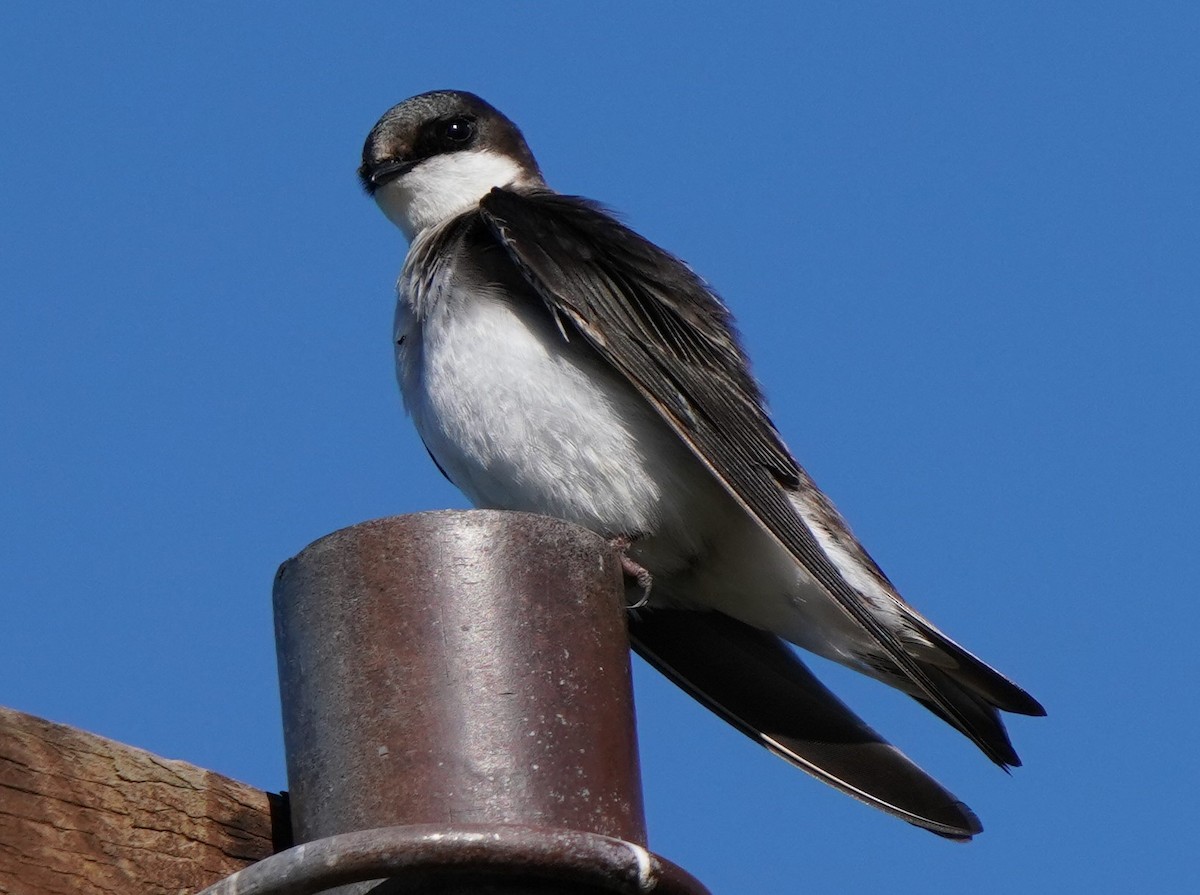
[{"x": 578, "y": 862}]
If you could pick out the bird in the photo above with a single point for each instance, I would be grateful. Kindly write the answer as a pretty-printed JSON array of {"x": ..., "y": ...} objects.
[{"x": 555, "y": 361}]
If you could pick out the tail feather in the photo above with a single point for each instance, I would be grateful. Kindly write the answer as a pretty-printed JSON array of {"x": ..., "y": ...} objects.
[
  {"x": 975, "y": 691},
  {"x": 975, "y": 675},
  {"x": 977, "y": 718}
]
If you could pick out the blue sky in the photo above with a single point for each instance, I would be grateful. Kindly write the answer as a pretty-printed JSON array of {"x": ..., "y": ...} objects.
[{"x": 961, "y": 243}]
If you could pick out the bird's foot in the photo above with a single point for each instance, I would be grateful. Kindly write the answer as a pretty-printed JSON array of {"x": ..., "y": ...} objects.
[{"x": 622, "y": 543}]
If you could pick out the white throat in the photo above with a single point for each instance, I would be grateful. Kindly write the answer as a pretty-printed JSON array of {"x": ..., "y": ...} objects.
[{"x": 443, "y": 186}]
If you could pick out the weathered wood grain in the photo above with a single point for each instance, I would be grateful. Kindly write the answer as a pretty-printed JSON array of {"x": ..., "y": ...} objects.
[{"x": 84, "y": 815}]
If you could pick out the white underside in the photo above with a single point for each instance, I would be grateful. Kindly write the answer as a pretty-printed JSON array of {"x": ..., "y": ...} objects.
[
  {"x": 521, "y": 420},
  {"x": 520, "y": 423}
]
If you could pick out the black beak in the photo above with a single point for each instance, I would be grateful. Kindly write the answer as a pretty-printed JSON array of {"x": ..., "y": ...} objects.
[{"x": 375, "y": 175}]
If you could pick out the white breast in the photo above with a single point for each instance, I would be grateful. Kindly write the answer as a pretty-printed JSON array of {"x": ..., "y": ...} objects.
[{"x": 522, "y": 419}]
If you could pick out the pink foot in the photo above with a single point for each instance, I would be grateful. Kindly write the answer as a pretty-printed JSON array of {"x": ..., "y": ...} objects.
[{"x": 645, "y": 580}]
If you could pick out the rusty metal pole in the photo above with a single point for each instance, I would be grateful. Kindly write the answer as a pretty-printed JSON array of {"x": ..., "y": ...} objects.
[{"x": 457, "y": 684}]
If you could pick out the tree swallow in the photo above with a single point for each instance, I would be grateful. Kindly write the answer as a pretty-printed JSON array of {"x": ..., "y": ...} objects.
[{"x": 556, "y": 362}]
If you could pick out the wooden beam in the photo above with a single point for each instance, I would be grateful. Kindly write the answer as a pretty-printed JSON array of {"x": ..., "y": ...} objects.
[{"x": 84, "y": 815}]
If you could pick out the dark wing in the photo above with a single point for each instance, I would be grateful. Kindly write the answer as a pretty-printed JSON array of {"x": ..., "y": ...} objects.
[
  {"x": 658, "y": 325},
  {"x": 756, "y": 683}
]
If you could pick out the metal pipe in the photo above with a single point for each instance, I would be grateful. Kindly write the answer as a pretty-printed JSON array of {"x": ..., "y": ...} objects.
[{"x": 458, "y": 668}]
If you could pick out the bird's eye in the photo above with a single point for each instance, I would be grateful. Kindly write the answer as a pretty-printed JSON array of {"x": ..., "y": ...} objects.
[{"x": 458, "y": 131}]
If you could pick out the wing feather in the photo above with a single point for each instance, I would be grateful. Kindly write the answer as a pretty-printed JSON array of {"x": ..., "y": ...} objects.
[
  {"x": 761, "y": 687},
  {"x": 658, "y": 325}
]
